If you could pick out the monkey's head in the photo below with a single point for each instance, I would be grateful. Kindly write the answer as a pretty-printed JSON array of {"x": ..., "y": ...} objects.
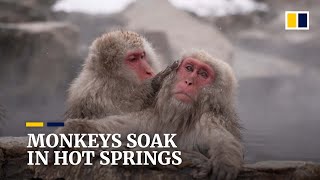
[
  {"x": 202, "y": 77},
  {"x": 122, "y": 54},
  {"x": 200, "y": 84}
]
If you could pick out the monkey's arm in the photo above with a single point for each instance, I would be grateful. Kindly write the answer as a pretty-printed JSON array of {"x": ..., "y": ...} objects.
[
  {"x": 223, "y": 149},
  {"x": 111, "y": 124},
  {"x": 158, "y": 79},
  {"x": 149, "y": 89}
]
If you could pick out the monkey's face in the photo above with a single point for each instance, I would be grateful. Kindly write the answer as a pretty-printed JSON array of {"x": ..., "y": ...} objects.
[
  {"x": 136, "y": 60},
  {"x": 192, "y": 76}
]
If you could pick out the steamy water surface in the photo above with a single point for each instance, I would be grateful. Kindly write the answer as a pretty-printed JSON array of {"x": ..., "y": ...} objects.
[
  {"x": 281, "y": 117},
  {"x": 279, "y": 105}
]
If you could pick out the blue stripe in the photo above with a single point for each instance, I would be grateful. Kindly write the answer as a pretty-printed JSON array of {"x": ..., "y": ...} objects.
[
  {"x": 303, "y": 20},
  {"x": 55, "y": 124}
]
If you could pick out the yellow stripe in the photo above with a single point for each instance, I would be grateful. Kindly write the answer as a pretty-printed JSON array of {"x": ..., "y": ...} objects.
[
  {"x": 292, "y": 20},
  {"x": 34, "y": 124}
]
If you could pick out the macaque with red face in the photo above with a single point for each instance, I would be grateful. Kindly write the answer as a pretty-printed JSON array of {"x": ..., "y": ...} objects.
[
  {"x": 136, "y": 61},
  {"x": 192, "y": 75},
  {"x": 117, "y": 77},
  {"x": 197, "y": 102}
]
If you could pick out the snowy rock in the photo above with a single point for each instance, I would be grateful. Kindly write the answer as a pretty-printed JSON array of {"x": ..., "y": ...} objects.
[{"x": 183, "y": 31}]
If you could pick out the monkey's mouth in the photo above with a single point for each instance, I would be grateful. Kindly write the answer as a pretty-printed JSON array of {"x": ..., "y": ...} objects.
[{"x": 182, "y": 96}]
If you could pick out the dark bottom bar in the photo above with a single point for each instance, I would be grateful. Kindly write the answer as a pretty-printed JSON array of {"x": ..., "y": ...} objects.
[{"x": 55, "y": 124}]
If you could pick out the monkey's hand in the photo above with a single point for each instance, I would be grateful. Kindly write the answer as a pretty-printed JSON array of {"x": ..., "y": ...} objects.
[
  {"x": 69, "y": 128},
  {"x": 72, "y": 126},
  {"x": 225, "y": 169},
  {"x": 199, "y": 164},
  {"x": 156, "y": 82}
]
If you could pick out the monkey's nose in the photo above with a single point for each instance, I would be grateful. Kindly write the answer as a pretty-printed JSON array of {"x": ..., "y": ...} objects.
[
  {"x": 188, "y": 82},
  {"x": 150, "y": 73}
]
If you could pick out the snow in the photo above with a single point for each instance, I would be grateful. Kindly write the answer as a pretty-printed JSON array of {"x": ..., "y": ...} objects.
[
  {"x": 199, "y": 7},
  {"x": 92, "y": 6},
  {"x": 219, "y": 7}
]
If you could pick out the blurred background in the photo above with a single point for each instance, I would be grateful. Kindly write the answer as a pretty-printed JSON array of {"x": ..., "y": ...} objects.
[{"x": 43, "y": 44}]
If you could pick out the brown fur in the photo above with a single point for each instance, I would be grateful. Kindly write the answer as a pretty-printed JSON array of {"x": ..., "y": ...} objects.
[
  {"x": 208, "y": 126},
  {"x": 106, "y": 87}
]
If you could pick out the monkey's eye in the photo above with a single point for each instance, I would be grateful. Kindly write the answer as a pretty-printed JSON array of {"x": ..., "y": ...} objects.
[
  {"x": 132, "y": 58},
  {"x": 203, "y": 74},
  {"x": 189, "y": 68}
]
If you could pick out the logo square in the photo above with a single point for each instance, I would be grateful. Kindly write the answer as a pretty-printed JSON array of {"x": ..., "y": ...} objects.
[
  {"x": 297, "y": 20},
  {"x": 303, "y": 20}
]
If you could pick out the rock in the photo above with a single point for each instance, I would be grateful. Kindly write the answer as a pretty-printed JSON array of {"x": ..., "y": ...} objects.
[
  {"x": 37, "y": 63},
  {"x": 36, "y": 54},
  {"x": 170, "y": 32},
  {"x": 13, "y": 163},
  {"x": 233, "y": 23},
  {"x": 25, "y": 10},
  {"x": 281, "y": 170},
  {"x": 13, "y": 158},
  {"x": 87, "y": 34},
  {"x": 160, "y": 39},
  {"x": 13, "y": 146},
  {"x": 183, "y": 31}
]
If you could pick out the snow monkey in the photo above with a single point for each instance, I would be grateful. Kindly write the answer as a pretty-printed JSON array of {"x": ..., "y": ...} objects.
[
  {"x": 197, "y": 102},
  {"x": 115, "y": 78}
]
